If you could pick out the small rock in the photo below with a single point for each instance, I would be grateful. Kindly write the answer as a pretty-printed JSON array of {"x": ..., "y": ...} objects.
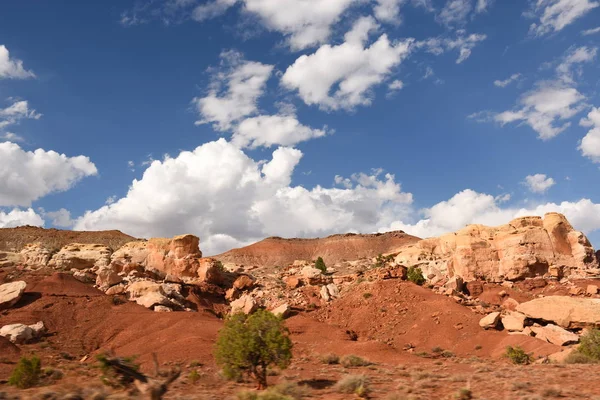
[
  {"x": 245, "y": 304},
  {"x": 475, "y": 288},
  {"x": 333, "y": 290},
  {"x": 162, "y": 309},
  {"x": 510, "y": 304},
  {"x": 592, "y": 289},
  {"x": 244, "y": 282},
  {"x": 490, "y": 321},
  {"x": 292, "y": 282},
  {"x": 117, "y": 289},
  {"x": 325, "y": 293},
  {"x": 455, "y": 283},
  {"x": 575, "y": 291},
  {"x": 282, "y": 311},
  {"x": 152, "y": 299},
  {"x": 10, "y": 293},
  {"x": 232, "y": 294},
  {"x": 502, "y": 293}
]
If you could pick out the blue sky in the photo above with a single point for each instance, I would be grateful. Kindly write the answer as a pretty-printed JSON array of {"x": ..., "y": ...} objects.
[{"x": 236, "y": 120}]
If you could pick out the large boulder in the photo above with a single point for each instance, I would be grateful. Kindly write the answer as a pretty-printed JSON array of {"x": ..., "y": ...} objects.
[
  {"x": 81, "y": 256},
  {"x": 131, "y": 255},
  {"x": 245, "y": 304},
  {"x": 10, "y": 293},
  {"x": 21, "y": 333},
  {"x": 567, "y": 312},
  {"x": 490, "y": 321},
  {"x": 35, "y": 255},
  {"x": 514, "y": 321},
  {"x": 178, "y": 256},
  {"x": 555, "y": 335},
  {"x": 525, "y": 247}
]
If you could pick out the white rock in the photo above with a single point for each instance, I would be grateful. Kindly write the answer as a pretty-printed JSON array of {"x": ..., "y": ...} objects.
[
  {"x": 10, "y": 293},
  {"x": 490, "y": 321},
  {"x": 17, "y": 333}
]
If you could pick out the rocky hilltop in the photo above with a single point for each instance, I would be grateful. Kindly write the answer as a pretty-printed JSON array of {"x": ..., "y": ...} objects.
[
  {"x": 15, "y": 239},
  {"x": 525, "y": 247},
  {"x": 333, "y": 249}
]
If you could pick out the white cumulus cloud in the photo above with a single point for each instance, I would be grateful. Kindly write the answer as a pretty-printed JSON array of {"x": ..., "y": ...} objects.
[
  {"x": 555, "y": 15},
  {"x": 591, "y": 31},
  {"x": 11, "y": 68},
  {"x": 590, "y": 144},
  {"x": 538, "y": 183},
  {"x": 342, "y": 76},
  {"x": 25, "y": 176},
  {"x": 18, "y": 217}
]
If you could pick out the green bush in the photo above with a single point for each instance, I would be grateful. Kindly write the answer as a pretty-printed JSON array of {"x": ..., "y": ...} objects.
[
  {"x": 27, "y": 373},
  {"x": 354, "y": 361},
  {"x": 517, "y": 355},
  {"x": 320, "y": 265},
  {"x": 249, "y": 344},
  {"x": 194, "y": 376},
  {"x": 415, "y": 275},
  {"x": 589, "y": 345},
  {"x": 354, "y": 384}
]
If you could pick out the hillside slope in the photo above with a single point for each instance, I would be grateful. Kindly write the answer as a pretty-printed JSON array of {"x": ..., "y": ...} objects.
[{"x": 278, "y": 251}]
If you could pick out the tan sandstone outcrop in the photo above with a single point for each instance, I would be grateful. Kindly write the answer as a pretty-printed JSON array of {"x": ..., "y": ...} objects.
[
  {"x": 9, "y": 259},
  {"x": 10, "y": 293},
  {"x": 567, "y": 312},
  {"x": 35, "y": 255},
  {"x": 525, "y": 247},
  {"x": 81, "y": 256}
]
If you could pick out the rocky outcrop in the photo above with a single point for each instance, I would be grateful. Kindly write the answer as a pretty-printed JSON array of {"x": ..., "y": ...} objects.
[
  {"x": 567, "y": 312},
  {"x": 9, "y": 259},
  {"x": 10, "y": 293},
  {"x": 35, "y": 255},
  {"x": 81, "y": 256},
  {"x": 555, "y": 335},
  {"x": 525, "y": 247}
]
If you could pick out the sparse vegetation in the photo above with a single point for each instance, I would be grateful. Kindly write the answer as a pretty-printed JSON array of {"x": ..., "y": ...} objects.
[
  {"x": 589, "y": 345},
  {"x": 353, "y": 384},
  {"x": 27, "y": 373},
  {"x": 113, "y": 377},
  {"x": 249, "y": 344},
  {"x": 320, "y": 265},
  {"x": 330, "y": 359},
  {"x": 517, "y": 355},
  {"x": 578, "y": 358},
  {"x": 415, "y": 275},
  {"x": 367, "y": 295},
  {"x": 464, "y": 394},
  {"x": 354, "y": 361},
  {"x": 283, "y": 391},
  {"x": 194, "y": 376}
]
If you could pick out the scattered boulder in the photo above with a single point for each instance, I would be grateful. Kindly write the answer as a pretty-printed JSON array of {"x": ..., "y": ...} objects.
[
  {"x": 490, "y": 321},
  {"x": 117, "y": 289},
  {"x": 575, "y": 291},
  {"x": 311, "y": 275},
  {"x": 514, "y": 322},
  {"x": 245, "y": 304},
  {"x": 292, "y": 282},
  {"x": 567, "y": 312},
  {"x": 325, "y": 293},
  {"x": 282, "y": 311},
  {"x": 474, "y": 288},
  {"x": 510, "y": 304},
  {"x": 244, "y": 282},
  {"x": 555, "y": 335},
  {"x": 107, "y": 277},
  {"x": 333, "y": 290},
  {"x": 21, "y": 333},
  {"x": 10, "y": 293},
  {"x": 152, "y": 299}
]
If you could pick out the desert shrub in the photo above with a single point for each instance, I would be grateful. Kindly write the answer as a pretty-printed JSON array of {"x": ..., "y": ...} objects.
[
  {"x": 589, "y": 345},
  {"x": 330, "y": 359},
  {"x": 415, "y": 275},
  {"x": 437, "y": 350},
  {"x": 353, "y": 384},
  {"x": 578, "y": 358},
  {"x": 27, "y": 373},
  {"x": 367, "y": 295},
  {"x": 552, "y": 392},
  {"x": 282, "y": 391},
  {"x": 320, "y": 265},
  {"x": 517, "y": 355},
  {"x": 113, "y": 377},
  {"x": 463, "y": 394},
  {"x": 249, "y": 344},
  {"x": 354, "y": 361},
  {"x": 194, "y": 376}
]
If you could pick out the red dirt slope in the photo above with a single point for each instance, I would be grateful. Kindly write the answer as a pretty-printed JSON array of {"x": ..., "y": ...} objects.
[
  {"x": 14, "y": 239},
  {"x": 278, "y": 251}
]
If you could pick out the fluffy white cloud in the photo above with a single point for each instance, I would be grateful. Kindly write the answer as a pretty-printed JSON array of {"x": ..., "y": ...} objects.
[
  {"x": 592, "y": 31},
  {"x": 11, "y": 67},
  {"x": 16, "y": 112},
  {"x": 462, "y": 42},
  {"x": 211, "y": 9},
  {"x": 11, "y": 137},
  {"x": 18, "y": 217},
  {"x": 269, "y": 130},
  {"x": 538, "y": 183},
  {"x": 507, "y": 81},
  {"x": 60, "y": 218},
  {"x": 470, "y": 207},
  {"x": 396, "y": 85},
  {"x": 245, "y": 82},
  {"x": 26, "y": 176},
  {"x": 590, "y": 144},
  {"x": 350, "y": 69},
  {"x": 483, "y": 5},
  {"x": 543, "y": 107},
  {"x": 388, "y": 10},
  {"x": 554, "y": 15},
  {"x": 225, "y": 197}
]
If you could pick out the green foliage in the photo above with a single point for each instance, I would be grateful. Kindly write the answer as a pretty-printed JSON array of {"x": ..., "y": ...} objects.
[
  {"x": 517, "y": 355},
  {"x": 320, "y": 265},
  {"x": 112, "y": 377},
  {"x": 415, "y": 275},
  {"x": 283, "y": 391},
  {"x": 330, "y": 359},
  {"x": 354, "y": 361},
  {"x": 194, "y": 376},
  {"x": 27, "y": 373},
  {"x": 249, "y": 344},
  {"x": 381, "y": 260},
  {"x": 589, "y": 345},
  {"x": 354, "y": 384}
]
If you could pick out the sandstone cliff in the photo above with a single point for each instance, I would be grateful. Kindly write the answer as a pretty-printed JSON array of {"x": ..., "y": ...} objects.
[{"x": 525, "y": 247}]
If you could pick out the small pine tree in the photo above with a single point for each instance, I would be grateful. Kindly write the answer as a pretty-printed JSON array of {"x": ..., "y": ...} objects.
[
  {"x": 415, "y": 275},
  {"x": 27, "y": 373},
  {"x": 249, "y": 344},
  {"x": 320, "y": 265}
]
